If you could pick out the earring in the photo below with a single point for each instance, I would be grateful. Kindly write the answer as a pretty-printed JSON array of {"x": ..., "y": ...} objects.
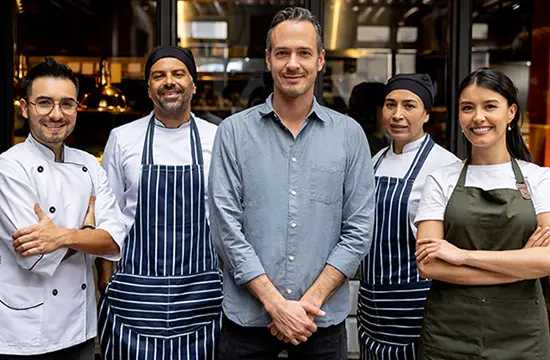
[{"x": 509, "y": 127}]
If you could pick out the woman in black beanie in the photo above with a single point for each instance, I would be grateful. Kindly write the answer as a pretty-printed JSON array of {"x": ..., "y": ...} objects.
[{"x": 392, "y": 294}]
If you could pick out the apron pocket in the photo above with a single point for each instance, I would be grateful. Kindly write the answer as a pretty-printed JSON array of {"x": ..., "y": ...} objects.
[
  {"x": 139, "y": 302},
  {"x": 21, "y": 314},
  {"x": 514, "y": 328},
  {"x": 195, "y": 302},
  {"x": 453, "y": 326}
]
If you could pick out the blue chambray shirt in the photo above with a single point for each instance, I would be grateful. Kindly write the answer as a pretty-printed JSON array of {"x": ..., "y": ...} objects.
[{"x": 286, "y": 206}]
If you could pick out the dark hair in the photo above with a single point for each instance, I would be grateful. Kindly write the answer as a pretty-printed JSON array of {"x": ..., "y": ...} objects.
[
  {"x": 500, "y": 83},
  {"x": 48, "y": 68},
  {"x": 295, "y": 14}
]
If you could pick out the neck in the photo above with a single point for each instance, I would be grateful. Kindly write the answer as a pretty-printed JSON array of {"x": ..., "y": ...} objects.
[
  {"x": 399, "y": 145},
  {"x": 292, "y": 109},
  {"x": 173, "y": 120},
  {"x": 490, "y": 156},
  {"x": 56, "y": 148}
]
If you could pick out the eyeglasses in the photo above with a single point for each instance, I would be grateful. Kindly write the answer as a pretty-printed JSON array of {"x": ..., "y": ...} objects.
[{"x": 44, "y": 106}]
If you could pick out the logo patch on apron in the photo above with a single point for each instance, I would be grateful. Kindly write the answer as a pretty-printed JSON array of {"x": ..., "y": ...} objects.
[{"x": 524, "y": 190}]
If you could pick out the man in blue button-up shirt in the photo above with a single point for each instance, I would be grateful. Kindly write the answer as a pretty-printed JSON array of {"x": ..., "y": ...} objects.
[{"x": 291, "y": 208}]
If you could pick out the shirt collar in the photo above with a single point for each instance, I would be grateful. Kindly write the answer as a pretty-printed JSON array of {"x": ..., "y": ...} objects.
[
  {"x": 410, "y": 147},
  {"x": 316, "y": 111},
  {"x": 43, "y": 150}
]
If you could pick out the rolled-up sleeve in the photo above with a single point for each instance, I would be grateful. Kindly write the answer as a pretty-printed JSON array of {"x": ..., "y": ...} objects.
[
  {"x": 226, "y": 211},
  {"x": 17, "y": 211},
  {"x": 358, "y": 205},
  {"x": 108, "y": 213}
]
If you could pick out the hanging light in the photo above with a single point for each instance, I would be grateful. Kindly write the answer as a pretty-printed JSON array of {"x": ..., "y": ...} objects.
[
  {"x": 18, "y": 75},
  {"x": 104, "y": 97}
]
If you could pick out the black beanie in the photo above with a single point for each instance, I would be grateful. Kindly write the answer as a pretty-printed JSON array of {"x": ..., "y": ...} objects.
[
  {"x": 420, "y": 84},
  {"x": 164, "y": 51}
]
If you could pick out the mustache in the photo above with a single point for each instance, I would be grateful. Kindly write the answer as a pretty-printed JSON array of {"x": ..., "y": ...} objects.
[{"x": 164, "y": 89}]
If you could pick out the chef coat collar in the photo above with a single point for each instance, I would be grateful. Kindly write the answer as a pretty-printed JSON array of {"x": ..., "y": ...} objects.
[
  {"x": 160, "y": 123},
  {"x": 410, "y": 147},
  {"x": 45, "y": 151}
]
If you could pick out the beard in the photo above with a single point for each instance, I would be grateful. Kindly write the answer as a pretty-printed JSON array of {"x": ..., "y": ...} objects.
[{"x": 173, "y": 105}]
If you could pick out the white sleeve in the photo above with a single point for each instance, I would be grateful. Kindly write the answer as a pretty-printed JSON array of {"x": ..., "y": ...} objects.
[
  {"x": 111, "y": 164},
  {"x": 432, "y": 203},
  {"x": 108, "y": 216},
  {"x": 540, "y": 191},
  {"x": 18, "y": 197}
]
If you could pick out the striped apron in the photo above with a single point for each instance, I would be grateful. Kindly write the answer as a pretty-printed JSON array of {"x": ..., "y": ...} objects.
[
  {"x": 391, "y": 296},
  {"x": 164, "y": 300}
]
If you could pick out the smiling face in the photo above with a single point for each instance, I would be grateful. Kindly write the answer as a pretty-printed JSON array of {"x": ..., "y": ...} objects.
[
  {"x": 484, "y": 116},
  {"x": 51, "y": 129},
  {"x": 404, "y": 116},
  {"x": 171, "y": 86},
  {"x": 294, "y": 60}
]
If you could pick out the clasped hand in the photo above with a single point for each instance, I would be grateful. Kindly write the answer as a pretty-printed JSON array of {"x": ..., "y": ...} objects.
[{"x": 293, "y": 321}]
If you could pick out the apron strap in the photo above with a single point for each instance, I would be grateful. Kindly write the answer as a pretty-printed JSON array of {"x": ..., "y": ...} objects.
[
  {"x": 517, "y": 172},
  {"x": 147, "y": 153},
  {"x": 196, "y": 148},
  {"x": 462, "y": 177},
  {"x": 420, "y": 158}
]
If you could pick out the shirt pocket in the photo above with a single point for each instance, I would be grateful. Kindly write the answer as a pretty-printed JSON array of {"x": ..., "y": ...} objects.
[
  {"x": 21, "y": 311},
  {"x": 326, "y": 181}
]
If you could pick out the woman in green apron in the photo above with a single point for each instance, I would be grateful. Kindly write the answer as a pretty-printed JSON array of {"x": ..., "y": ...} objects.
[{"x": 483, "y": 236}]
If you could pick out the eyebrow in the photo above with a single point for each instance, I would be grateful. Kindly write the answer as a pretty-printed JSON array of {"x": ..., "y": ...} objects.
[
  {"x": 49, "y": 98},
  {"x": 278, "y": 48},
  {"x": 164, "y": 71},
  {"x": 405, "y": 101},
  {"x": 485, "y": 102}
]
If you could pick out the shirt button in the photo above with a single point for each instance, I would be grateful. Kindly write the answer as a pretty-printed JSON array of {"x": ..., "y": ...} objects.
[
  {"x": 288, "y": 291},
  {"x": 83, "y": 286},
  {"x": 291, "y": 258},
  {"x": 293, "y": 192},
  {"x": 293, "y": 159},
  {"x": 54, "y": 292},
  {"x": 84, "y": 168},
  {"x": 40, "y": 169},
  {"x": 293, "y": 225},
  {"x": 52, "y": 209},
  {"x": 483, "y": 301}
]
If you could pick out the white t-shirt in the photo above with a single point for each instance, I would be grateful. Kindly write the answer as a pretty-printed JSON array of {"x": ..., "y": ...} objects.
[
  {"x": 397, "y": 165},
  {"x": 122, "y": 157},
  {"x": 441, "y": 183}
]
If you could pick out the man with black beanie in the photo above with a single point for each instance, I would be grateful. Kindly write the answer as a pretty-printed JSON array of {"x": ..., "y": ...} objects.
[{"x": 164, "y": 300}]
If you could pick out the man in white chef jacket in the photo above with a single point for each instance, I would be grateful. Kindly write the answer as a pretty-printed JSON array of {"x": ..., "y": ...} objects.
[{"x": 47, "y": 299}]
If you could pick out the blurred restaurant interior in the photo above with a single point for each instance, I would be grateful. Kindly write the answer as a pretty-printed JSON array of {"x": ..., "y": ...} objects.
[{"x": 366, "y": 41}]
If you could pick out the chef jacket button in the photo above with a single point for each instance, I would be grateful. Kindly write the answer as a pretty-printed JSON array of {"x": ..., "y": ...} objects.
[
  {"x": 54, "y": 292},
  {"x": 40, "y": 169},
  {"x": 52, "y": 209},
  {"x": 84, "y": 168},
  {"x": 83, "y": 286}
]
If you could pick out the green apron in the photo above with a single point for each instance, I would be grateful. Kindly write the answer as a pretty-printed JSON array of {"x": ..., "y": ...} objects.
[{"x": 495, "y": 322}]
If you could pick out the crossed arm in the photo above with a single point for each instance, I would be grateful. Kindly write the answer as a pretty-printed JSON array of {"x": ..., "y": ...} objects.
[{"x": 438, "y": 259}]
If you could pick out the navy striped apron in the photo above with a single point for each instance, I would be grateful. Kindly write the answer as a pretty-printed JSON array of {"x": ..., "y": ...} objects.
[
  {"x": 164, "y": 300},
  {"x": 392, "y": 294}
]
